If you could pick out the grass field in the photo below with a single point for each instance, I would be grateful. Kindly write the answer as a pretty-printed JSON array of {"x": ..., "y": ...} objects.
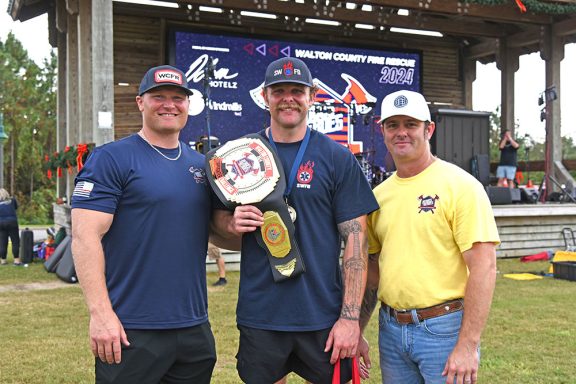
[{"x": 530, "y": 337}]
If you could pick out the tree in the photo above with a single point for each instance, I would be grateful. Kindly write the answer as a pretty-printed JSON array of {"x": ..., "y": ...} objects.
[{"x": 28, "y": 102}]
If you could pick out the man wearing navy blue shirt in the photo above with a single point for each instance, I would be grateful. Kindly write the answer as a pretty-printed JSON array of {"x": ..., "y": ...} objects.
[
  {"x": 141, "y": 210},
  {"x": 306, "y": 323}
]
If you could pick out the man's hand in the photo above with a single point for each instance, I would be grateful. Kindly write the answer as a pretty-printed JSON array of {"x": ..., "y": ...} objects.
[
  {"x": 246, "y": 218},
  {"x": 343, "y": 339},
  {"x": 362, "y": 354},
  {"x": 462, "y": 365},
  {"x": 106, "y": 336}
]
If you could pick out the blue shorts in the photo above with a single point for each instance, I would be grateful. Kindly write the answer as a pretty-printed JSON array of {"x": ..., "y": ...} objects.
[{"x": 506, "y": 171}]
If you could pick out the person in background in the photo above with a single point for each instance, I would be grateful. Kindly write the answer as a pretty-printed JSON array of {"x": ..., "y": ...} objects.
[
  {"x": 9, "y": 228},
  {"x": 141, "y": 212},
  {"x": 506, "y": 170},
  {"x": 215, "y": 254},
  {"x": 432, "y": 263}
]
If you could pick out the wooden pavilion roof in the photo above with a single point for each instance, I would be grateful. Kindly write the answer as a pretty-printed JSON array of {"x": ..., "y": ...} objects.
[{"x": 479, "y": 28}]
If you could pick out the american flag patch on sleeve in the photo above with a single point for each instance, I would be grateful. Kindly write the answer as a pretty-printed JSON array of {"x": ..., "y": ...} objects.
[{"x": 83, "y": 189}]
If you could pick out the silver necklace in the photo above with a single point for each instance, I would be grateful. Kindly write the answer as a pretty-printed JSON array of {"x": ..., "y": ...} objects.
[{"x": 160, "y": 152}]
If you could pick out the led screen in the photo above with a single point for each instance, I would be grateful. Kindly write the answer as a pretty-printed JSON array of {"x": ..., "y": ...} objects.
[{"x": 351, "y": 81}]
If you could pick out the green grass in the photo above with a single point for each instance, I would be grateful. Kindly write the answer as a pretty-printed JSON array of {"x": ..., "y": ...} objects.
[{"x": 530, "y": 337}]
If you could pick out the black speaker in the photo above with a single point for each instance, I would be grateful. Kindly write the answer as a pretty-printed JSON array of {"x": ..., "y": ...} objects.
[
  {"x": 528, "y": 196},
  {"x": 499, "y": 195},
  {"x": 515, "y": 195},
  {"x": 26, "y": 246},
  {"x": 480, "y": 165}
]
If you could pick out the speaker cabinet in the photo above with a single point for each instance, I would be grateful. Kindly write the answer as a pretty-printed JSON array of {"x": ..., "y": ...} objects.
[
  {"x": 500, "y": 195},
  {"x": 481, "y": 168}
]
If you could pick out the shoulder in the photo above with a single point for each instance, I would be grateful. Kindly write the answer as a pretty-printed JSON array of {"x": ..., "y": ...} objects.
[
  {"x": 457, "y": 176},
  {"x": 120, "y": 146},
  {"x": 324, "y": 144},
  {"x": 190, "y": 152}
]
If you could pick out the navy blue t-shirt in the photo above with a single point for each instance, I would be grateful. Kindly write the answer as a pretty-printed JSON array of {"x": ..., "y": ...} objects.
[
  {"x": 330, "y": 188},
  {"x": 8, "y": 211},
  {"x": 155, "y": 249}
]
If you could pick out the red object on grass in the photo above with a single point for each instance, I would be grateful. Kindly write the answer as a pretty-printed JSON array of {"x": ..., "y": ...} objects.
[{"x": 536, "y": 257}]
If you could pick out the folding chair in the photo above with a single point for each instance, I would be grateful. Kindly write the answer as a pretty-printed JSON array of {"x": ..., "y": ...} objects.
[{"x": 569, "y": 240}]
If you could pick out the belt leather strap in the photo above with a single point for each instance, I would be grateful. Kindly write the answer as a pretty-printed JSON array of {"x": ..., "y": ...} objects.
[{"x": 405, "y": 316}]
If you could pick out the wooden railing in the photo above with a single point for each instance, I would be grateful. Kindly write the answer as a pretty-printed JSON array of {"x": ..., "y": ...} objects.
[{"x": 536, "y": 165}]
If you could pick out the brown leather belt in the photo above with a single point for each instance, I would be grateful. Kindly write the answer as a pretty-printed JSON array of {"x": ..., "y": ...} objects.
[{"x": 405, "y": 316}]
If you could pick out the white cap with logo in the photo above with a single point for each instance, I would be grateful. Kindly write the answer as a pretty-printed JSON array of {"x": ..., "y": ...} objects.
[{"x": 407, "y": 103}]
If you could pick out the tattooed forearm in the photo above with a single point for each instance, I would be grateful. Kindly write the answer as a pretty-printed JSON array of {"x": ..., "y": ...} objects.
[
  {"x": 350, "y": 312},
  {"x": 349, "y": 227},
  {"x": 371, "y": 294},
  {"x": 354, "y": 267},
  {"x": 368, "y": 305}
]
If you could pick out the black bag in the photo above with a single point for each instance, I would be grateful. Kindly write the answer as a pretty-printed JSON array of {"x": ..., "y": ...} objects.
[
  {"x": 26, "y": 245},
  {"x": 65, "y": 269},
  {"x": 51, "y": 264}
]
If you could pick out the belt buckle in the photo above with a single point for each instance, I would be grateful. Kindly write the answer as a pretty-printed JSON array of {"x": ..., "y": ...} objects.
[{"x": 402, "y": 311}]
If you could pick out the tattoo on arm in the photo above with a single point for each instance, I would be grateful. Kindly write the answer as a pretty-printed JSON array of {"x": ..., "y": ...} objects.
[
  {"x": 368, "y": 304},
  {"x": 354, "y": 266},
  {"x": 370, "y": 298},
  {"x": 350, "y": 312}
]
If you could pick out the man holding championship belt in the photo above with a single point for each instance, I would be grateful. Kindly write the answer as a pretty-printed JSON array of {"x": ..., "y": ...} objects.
[
  {"x": 248, "y": 171},
  {"x": 305, "y": 323}
]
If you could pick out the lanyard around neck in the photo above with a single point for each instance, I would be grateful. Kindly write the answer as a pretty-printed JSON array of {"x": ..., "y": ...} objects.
[{"x": 297, "y": 160}]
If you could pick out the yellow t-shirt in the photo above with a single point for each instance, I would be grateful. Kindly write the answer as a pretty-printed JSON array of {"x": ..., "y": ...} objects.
[{"x": 423, "y": 225}]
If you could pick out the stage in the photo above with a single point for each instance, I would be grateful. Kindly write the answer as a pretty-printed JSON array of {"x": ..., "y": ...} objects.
[{"x": 526, "y": 229}]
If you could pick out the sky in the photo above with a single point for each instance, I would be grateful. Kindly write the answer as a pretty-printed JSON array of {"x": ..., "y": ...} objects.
[{"x": 529, "y": 81}]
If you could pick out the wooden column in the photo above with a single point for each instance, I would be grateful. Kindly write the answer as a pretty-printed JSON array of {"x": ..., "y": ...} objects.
[
  {"x": 61, "y": 105},
  {"x": 469, "y": 69},
  {"x": 72, "y": 92},
  {"x": 61, "y": 99},
  {"x": 85, "y": 72},
  {"x": 507, "y": 61},
  {"x": 102, "y": 71},
  {"x": 552, "y": 51}
]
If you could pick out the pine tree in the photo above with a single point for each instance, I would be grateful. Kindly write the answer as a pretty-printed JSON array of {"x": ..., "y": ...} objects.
[{"x": 28, "y": 103}]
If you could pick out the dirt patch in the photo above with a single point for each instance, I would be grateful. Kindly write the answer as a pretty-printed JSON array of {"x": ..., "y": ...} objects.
[{"x": 35, "y": 286}]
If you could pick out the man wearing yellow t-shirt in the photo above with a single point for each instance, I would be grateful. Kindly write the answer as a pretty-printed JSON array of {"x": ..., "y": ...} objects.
[{"x": 432, "y": 257}]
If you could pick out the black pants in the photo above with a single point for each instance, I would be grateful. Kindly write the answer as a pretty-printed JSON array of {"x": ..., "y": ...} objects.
[{"x": 9, "y": 229}]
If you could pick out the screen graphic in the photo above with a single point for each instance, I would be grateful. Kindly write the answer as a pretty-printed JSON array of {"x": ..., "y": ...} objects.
[{"x": 351, "y": 81}]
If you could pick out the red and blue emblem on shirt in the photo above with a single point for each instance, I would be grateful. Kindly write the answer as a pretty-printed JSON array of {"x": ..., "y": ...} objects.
[
  {"x": 199, "y": 175},
  {"x": 305, "y": 174},
  {"x": 427, "y": 203}
]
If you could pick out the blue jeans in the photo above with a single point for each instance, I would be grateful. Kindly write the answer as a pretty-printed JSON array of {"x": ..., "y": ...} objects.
[{"x": 416, "y": 353}]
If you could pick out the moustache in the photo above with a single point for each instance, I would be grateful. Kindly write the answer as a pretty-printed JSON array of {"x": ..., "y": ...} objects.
[{"x": 289, "y": 105}]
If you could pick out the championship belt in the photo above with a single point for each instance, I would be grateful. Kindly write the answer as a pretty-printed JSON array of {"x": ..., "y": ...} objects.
[{"x": 248, "y": 171}]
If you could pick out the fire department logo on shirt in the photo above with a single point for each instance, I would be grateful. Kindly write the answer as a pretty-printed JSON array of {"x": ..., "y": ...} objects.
[
  {"x": 199, "y": 175},
  {"x": 305, "y": 175},
  {"x": 427, "y": 203}
]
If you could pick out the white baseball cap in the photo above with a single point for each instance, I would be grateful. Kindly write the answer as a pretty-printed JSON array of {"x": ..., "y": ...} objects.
[{"x": 407, "y": 103}]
